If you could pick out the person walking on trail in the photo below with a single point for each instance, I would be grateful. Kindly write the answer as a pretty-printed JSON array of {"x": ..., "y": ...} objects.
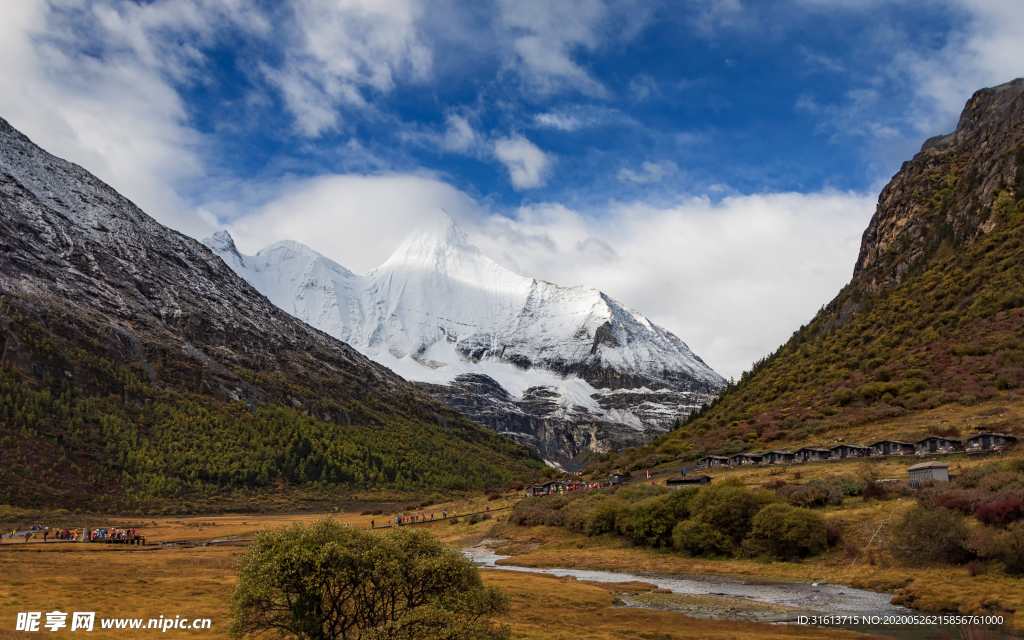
[{"x": 373, "y": 524}]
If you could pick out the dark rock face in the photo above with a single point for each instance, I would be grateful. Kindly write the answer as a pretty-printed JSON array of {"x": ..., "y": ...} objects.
[
  {"x": 539, "y": 421},
  {"x": 947, "y": 194}
]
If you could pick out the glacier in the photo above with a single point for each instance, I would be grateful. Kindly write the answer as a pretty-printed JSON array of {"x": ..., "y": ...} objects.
[{"x": 564, "y": 369}]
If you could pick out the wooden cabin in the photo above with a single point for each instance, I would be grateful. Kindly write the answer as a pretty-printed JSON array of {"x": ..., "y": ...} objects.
[
  {"x": 807, "y": 454},
  {"x": 934, "y": 444},
  {"x": 687, "y": 481},
  {"x": 778, "y": 456},
  {"x": 713, "y": 461},
  {"x": 891, "y": 447},
  {"x": 849, "y": 451},
  {"x": 989, "y": 440}
]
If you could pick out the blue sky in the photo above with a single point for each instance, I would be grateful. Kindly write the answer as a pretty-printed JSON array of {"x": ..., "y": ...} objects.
[{"x": 710, "y": 162}]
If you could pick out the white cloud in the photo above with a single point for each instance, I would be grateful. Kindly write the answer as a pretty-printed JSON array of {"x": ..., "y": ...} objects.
[
  {"x": 732, "y": 279},
  {"x": 459, "y": 135},
  {"x": 93, "y": 83},
  {"x": 643, "y": 87},
  {"x": 560, "y": 121},
  {"x": 527, "y": 165},
  {"x": 355, "y": 220},
  {"x": 544, "y": 36},
  {"x": 984, "y": 50},
  {"x": 649, "y": 172},
  {"x": 343, "y": 50}
]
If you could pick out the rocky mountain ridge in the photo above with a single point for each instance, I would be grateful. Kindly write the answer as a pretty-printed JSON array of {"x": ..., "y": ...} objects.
[{"x": 933, "y": 315}]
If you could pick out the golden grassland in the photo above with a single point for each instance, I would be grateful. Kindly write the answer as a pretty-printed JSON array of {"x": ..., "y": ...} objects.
[{"x": 194, "y": 582}]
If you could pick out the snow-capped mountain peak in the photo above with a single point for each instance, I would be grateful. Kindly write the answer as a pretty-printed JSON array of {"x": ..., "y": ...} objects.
[{"x": 439, "y": 311}]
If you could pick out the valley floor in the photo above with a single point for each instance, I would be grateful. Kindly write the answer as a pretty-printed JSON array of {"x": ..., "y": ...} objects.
[
  {"x": 193, "y": 579},
  {"x": 119, "y": 581}
]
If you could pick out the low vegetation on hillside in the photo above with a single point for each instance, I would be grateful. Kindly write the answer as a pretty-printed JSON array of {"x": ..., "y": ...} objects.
[
  {"x": 112, "y": 437},
  {"x": 978, "y": 517}
]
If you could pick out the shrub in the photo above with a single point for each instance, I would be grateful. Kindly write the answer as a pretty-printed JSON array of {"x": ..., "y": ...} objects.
[
  {"x": 679, "y": 502},
  {"x": 817, "y": 493},
  {"x": 834, "y": 531},
  {"x": 959, "y": 500},
  {"x": 649, "y": 522},
  {"x": 1001, "y": 511},
  {"x": 494, "y": 496},
  {"x": 696, "y": 538},
  {"x": 1007, "y": 547},
  {"x": 929, "y": 534},
  {"x": 368, "y": 512},
  {"x": 313, "y": 581},
  {"x": 787, "y": 532},
  {"x": 576, "y": 520},
  {"x": 603, "y": 516},
  {"x": 874, "y": 490},
  {"x": 730, "y": 506},
  {"x": 842, "y": 396},
  {"x": 1003, "y": 481}
]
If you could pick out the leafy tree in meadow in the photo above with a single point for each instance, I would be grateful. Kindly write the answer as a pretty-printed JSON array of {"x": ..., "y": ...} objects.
[
  {"x": 328, "y": 582},
  {"x": 787, "y": 532}
]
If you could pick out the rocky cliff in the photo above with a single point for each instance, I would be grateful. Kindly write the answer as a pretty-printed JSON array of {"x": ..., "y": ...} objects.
[
  {"x": 958, "y": 187},
  {"x": 933, "y": 315}
]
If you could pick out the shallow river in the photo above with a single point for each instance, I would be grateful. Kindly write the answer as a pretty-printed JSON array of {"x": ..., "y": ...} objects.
[{"x": 728, "y": 598}]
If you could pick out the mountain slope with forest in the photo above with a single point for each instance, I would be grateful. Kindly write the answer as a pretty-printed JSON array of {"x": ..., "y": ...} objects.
[
  {"x": 934, "y": 313},
  {"x": 136, "y": 367}
]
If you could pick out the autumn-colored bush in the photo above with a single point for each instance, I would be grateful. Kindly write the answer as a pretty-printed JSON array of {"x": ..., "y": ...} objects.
[
  {"x": 874, "y": 490},
  {"x": 1000, "y": 511},
  {"x": 962, "y": 501},
  {"x": 834, "y": 531}
]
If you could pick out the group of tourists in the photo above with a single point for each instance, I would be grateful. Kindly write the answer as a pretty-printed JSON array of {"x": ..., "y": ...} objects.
[
  {"x": 399, "y": 521},
  {"x": 37, "y": 532},
  {"x": 113, "y": 535}
]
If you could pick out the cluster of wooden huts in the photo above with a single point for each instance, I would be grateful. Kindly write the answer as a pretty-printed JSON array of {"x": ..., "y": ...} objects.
[
  {"x": 931, "y": 444},
  {"x": 557, "y": 486}
]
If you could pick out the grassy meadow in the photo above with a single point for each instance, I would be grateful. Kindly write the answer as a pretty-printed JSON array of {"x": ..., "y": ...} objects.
[{"x": 194, "y": 581}]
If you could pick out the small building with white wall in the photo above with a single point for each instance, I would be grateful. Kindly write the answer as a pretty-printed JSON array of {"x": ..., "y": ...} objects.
[{"x": 934, "y": 470}]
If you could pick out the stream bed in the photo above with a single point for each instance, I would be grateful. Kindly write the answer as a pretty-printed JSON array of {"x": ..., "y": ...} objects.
[{"x": 777, "y": 602}]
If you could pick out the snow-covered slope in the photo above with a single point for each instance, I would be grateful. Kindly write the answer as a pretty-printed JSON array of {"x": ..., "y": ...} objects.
[{"x": 439, "y": 310}]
